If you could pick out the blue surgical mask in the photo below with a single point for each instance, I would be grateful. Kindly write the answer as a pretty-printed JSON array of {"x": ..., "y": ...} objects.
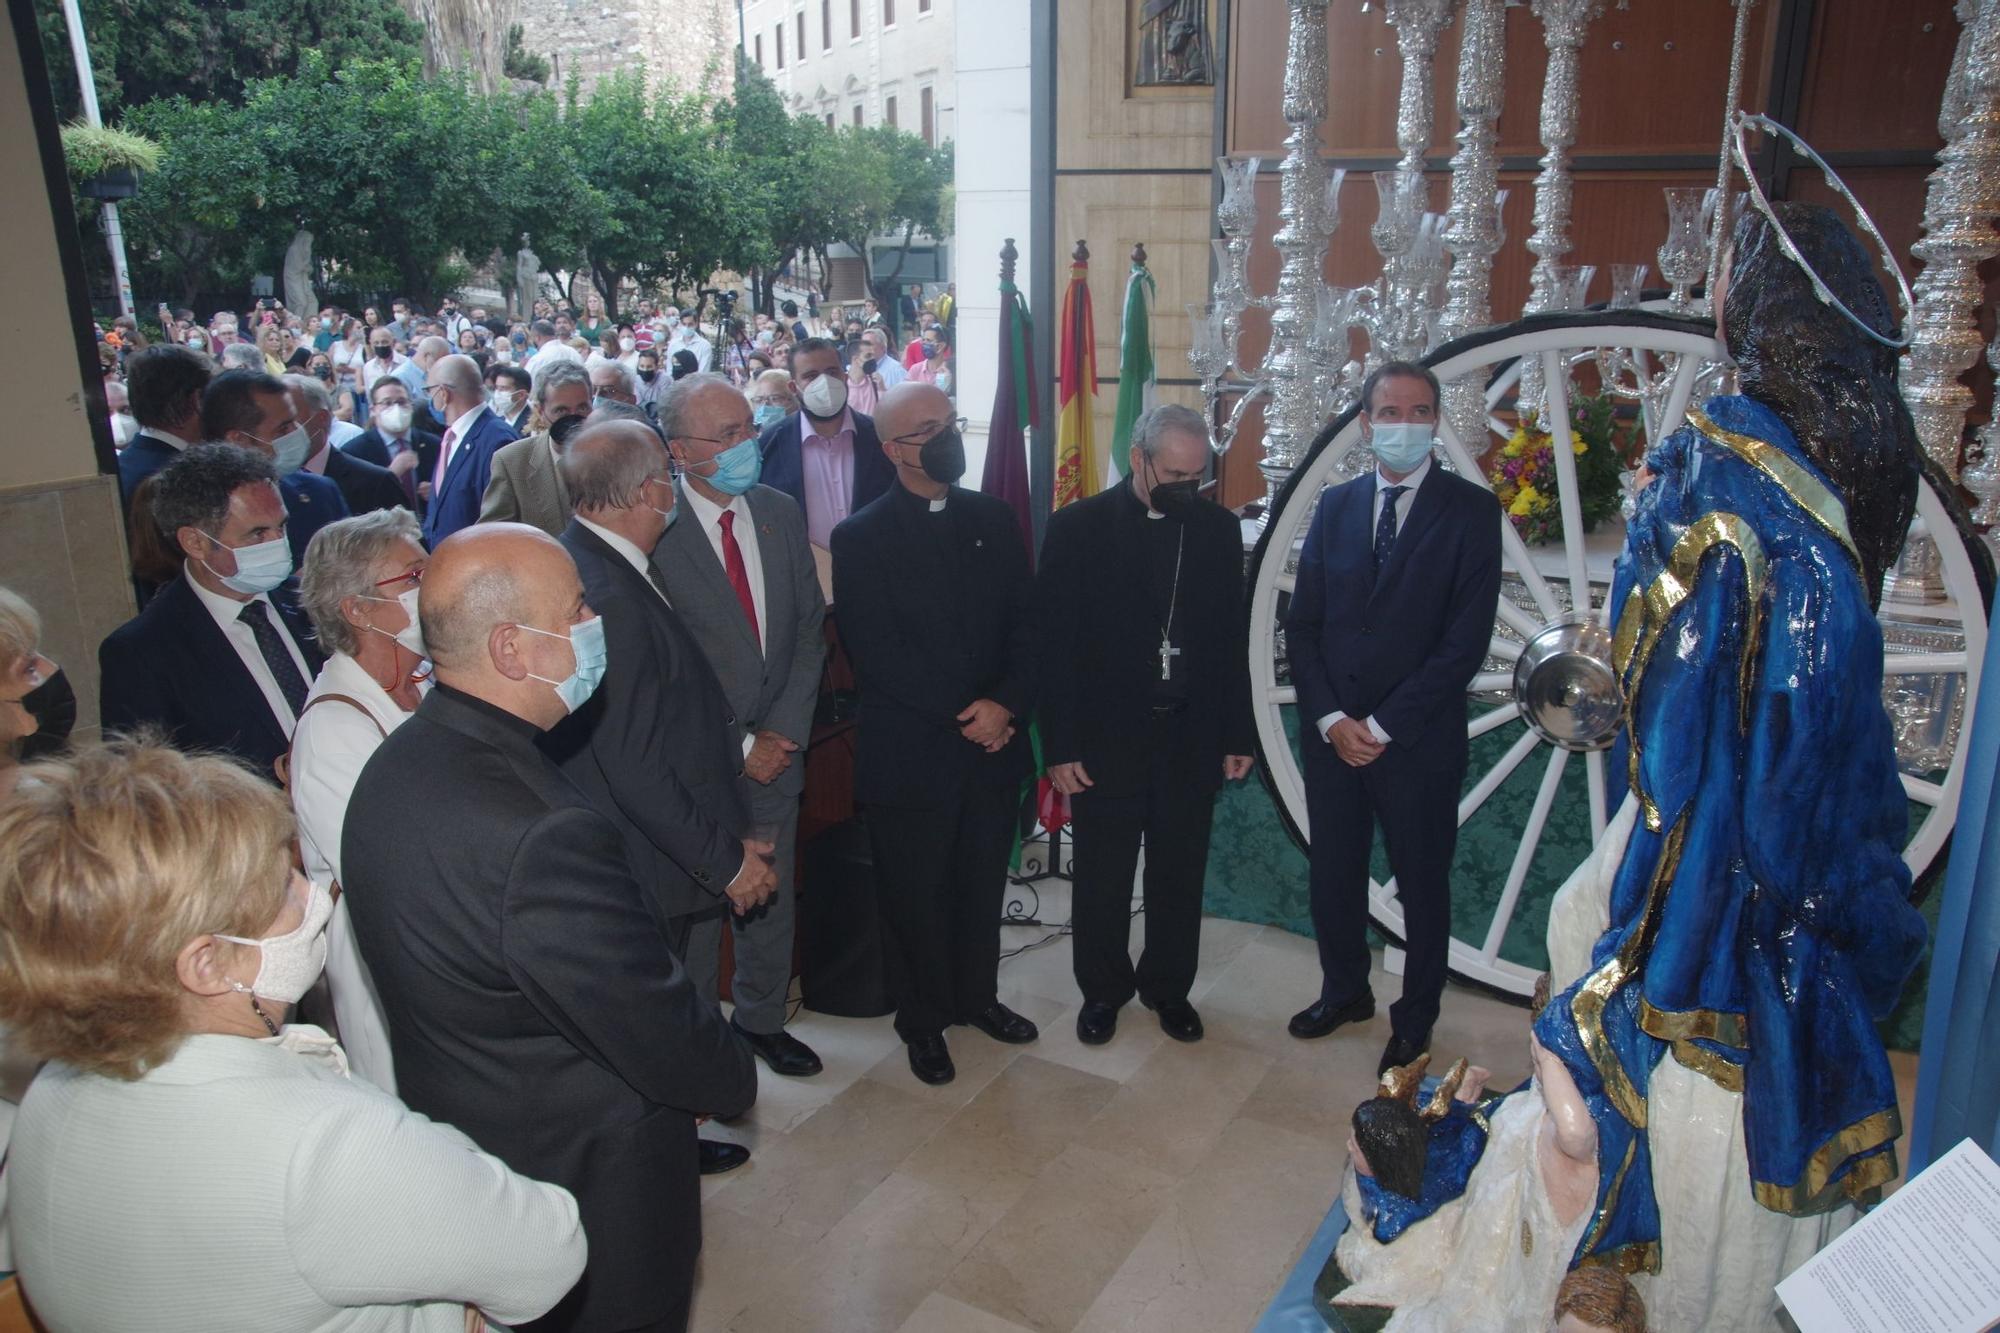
[
  {"x": 586, "y": 646},
  {"x": 736, "y": 468},
  {"x": 770, "y": 414},
  {"x": 1400, "y": 446},
  {"x": 259, "y": 568}
]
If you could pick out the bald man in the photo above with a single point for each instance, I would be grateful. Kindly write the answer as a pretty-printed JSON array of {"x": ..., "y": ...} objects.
[
  {"x": 936, "y": 609},
  {"x": 532, "y": 998},
  {"x": 472, "y": 435}
]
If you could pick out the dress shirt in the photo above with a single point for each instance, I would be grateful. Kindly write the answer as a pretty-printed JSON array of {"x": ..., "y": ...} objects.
[
  {"x": 1403, "y": 502},
  {"x": 308, "y": 1200},
  {"x": 317, "y": 463},
  {"x": 330, "y": 746},
  {"x": 745, "y": 532},
  {"x": 454, "y": 439},
  {"x": 413, "y": 376},
  {"x": 339, "y": 433},
  {"x": 864, "y": 395},
  {"x": 826, "y": 463},
  {"x": 226, "y": 611},
  {"x": 892, "y": 372},
  {"x": 550, "y": 352},
  {"x": 374, "y": 368},
  {"x": 925, "y": 371},
  {"x": 626, "y": 548},
  {"x": 167, "y": 437}
]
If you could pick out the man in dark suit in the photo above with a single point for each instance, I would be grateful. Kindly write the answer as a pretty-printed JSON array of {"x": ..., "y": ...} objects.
[
  {"x": 1141, "y": 589},
  {"x": 531, "y": 996},
  {"x": 741, "y": 576},
  {"x": 394, "y": 441},
  {"x": 828, "y": 457},
  {"x": 1389, "y": 621},
  {"x": 165, "y": 384},
  {"x": 509, "y": 390},
  {"x": 364, "y": 486},
  {"x": 215, "y": 660},
  {"x": 656, "y": 749},
  {"x": 936, "y": 609},
  {"x": 253, "y": 411},
  {"x": 465, "y": 457}
]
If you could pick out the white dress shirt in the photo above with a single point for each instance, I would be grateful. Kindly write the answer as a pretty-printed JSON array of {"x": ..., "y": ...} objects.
[
  {"x": 227, "y": 611},
  {"x": 339, "y": 432},
  {"x": 329, "y": 748},
  {"x": 454, "y": 438},
  {"x": 627, "y": 548},
  {"x": 247, "y": 1185},
  {"x": 745, "y": 531},
  {"x": 1403, "y": 502},
  {"x": 167, "y": 437}
]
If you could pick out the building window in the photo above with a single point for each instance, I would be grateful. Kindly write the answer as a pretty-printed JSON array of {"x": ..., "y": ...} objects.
[
  {"x": 829, "y": 120},
  {"x": 858, "y": 122},
  {"x": 926, "y": 117},
  {"x": 781, "y": 45},
  {"x": 826, "y": 25},
  {"x": 760, "y": 50},
  {"x": 889, "y": 112},
  {"x": 802, "y": 34},
  {"x": 888, "y": 13},
  {"x": 923, "y": 6},
  {"x": 854, "y": 19}
]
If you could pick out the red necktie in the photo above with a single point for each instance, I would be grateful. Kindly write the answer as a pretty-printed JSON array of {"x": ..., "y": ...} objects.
[{"x": 739, "y": 577}]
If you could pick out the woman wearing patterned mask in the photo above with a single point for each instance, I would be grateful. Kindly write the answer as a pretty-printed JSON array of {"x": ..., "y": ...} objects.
[{"x": 223, "y": 1165}]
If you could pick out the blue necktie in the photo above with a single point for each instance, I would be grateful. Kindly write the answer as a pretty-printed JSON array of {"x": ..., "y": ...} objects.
[
  {"x": 1385, "y": 526},
  {"x": 276, "y": 656}
]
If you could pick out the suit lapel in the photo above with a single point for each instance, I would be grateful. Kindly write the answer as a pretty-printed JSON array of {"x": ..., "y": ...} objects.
[
  {"x": 215, "y": 657},
  {"x": 697, "y": 556},
  {"x": 774, "y": 559}
]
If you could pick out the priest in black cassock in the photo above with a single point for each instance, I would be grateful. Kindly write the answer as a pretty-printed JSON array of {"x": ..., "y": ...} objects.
[{"x": 1145, "y": 711}]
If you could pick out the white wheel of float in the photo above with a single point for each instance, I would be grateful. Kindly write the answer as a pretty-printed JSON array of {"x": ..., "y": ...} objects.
[{"x": 1937, "y": 661}]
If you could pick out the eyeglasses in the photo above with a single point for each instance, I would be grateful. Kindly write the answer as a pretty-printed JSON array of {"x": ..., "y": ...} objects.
[
  {"x": 925, "y": 434},
  {"x": 413, "y": 577},
  {"x": 743, "y": 432}
]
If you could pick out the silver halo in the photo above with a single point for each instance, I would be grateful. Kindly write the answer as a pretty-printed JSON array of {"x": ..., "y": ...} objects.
[{"x": 1744, "y": 120}]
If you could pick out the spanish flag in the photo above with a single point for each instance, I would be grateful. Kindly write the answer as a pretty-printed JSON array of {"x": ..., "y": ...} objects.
[{"x": 1079, "y": 462}]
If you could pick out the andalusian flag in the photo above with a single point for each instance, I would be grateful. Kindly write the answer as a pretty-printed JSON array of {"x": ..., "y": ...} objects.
[
  {"x": 1138, "y": 386},
  {"x": 1079, "y": 465}
]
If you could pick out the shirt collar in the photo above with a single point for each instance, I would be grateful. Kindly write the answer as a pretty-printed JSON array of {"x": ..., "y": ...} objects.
[
  {"x": 225, "y": 609},
  {"x": 710, "y": 513},
  {"x": 1414, "y": 480},
  {"x": 464, "y": 423},
  {"x": 807, "y": 431},
  {"x": 317, "y": 463},
  {"x": 619, "y": 543},
  {"x": 167, "y": 437}
]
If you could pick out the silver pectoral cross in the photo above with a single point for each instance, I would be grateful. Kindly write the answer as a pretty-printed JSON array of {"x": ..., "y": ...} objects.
[{"x": 1167, "y": 655}]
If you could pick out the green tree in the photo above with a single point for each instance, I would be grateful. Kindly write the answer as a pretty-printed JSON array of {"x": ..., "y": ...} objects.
[
  {"x": 908, "y": 183},
  {"x": 211, "y": 50},
  {"x": 517, "y": 62}
]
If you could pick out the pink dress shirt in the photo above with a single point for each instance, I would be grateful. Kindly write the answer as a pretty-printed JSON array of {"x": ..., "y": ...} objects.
[{"x": 827, "y": 462}]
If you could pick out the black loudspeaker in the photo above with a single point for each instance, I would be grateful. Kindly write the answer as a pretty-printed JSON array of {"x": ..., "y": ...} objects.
[{"x": 843, "y": 967}]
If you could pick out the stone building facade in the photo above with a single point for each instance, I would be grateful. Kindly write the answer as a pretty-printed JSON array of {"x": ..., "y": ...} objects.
[
  {"x": 861, "y": 62},
  {"x": 690, "y": 43}
]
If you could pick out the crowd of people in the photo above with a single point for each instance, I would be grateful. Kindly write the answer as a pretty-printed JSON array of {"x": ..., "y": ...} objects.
[{"x": 474, "y": 729}]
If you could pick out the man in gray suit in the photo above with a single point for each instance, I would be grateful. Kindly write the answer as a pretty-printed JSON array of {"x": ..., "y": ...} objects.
[
  {"x": 526, "y": 486},
  {"x": 740, "y": 573}
]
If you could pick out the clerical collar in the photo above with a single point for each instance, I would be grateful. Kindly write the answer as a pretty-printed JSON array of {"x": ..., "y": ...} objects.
[{"x": 937, "y": 505}]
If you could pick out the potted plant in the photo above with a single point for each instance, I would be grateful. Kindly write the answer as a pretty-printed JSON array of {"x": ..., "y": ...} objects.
[{"x": 104, "y": 162}]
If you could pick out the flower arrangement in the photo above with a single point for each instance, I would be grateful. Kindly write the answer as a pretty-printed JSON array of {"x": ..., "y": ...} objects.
[{"x": 1523, "y": 470}]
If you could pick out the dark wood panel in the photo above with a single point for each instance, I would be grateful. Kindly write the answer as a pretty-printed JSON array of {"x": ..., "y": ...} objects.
[{"x": 1875, "y": 74}]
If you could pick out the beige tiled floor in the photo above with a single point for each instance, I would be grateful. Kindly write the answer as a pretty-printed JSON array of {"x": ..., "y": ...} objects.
[{"x": 1144, "y": 1185}]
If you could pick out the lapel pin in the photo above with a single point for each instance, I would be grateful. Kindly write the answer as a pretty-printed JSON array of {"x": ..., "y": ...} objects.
[{"x": 979, "y": 541}]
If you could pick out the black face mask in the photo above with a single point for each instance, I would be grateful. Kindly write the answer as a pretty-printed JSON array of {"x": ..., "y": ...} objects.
[
  {"x": 385, "y": 352},
  {"x": 649, "y": 375},
  {"x": 870, "y": 366},
  {"x": 943, "y": 456},
  {"x": 560, "y": 431},
  {"x": 53, "y": 706},
  {"x": 1176, "y": 499}
]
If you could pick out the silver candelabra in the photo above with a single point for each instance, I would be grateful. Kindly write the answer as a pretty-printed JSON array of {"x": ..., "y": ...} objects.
[{"x": 1472, "y": 230}]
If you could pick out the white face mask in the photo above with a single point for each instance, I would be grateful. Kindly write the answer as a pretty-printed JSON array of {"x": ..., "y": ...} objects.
[
  {"x": 411, "y": 636},
  {"x": 292, "y": 961},
  {"x": 394, "y": 419},
  {"x": 504, "y": 402},
  {"x": 124, "y": 427},
  {"x": 826, "y": 396},
  {"x": 627, "y": 344}
]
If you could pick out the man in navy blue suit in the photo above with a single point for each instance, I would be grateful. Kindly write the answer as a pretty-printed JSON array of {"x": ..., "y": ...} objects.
[
  {"x": 165, "y": 384},
  {"x": 220, "y": 659},
  {"x": 472, "y": 436},
  {"x": 253, "y": 411},
  {"x": 828, "y": 457},
  {"x": 1389, "y": 621}
]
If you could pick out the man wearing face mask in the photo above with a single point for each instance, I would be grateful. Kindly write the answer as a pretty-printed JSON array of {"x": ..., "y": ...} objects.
[
  {"x": 652, "y": 384},
  {"x": 531, "y": 996},
  {"x": 1389, "y": 622},
  {"x": 215, "y": 660},
  {"x": 738, "y": 570},
  {"x": 509, "y": 392},
  {"x": 1150, "y": 714},
  {"x": 383, "y": 359},
  {"x": 363, "y": 486},
  {"x": 827, "y": 456},
  {"x": 656, "y": 749},
  {"x": 393, "y": 440},
  {"x": 252, "y": 410},
  {"x": 527, "y": 485},
  {"x": 872, "y": 372},
  {"x": 473, "y": 435},
  {"x": 611, "y": 382},
  {"x": 936, "y": 609}
]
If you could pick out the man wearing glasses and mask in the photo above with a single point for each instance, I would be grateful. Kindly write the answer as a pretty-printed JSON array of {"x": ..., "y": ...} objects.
[
  {"x": 1149, "y": 713},
  {"x": 936, "y": 609}
]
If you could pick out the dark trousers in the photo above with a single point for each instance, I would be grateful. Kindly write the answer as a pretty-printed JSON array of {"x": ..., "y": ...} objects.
[
  {"x": 1413, "y": 797},
  {"x": 1172, "y": 816},
  {"x": 940, "y": 875}
]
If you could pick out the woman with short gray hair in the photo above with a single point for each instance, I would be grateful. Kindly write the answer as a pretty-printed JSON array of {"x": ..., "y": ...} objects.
[{"x": 359, "y": 586}]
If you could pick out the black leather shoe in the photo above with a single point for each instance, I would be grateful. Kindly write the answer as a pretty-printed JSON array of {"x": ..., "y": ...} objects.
[
  {"x": 782, "y": 1051},
  {"x": 1177, "y": 1019},
  {"x": 1400, "y": 1052},
  {"x": 1321, "y": 1017},
  {"x": 999, "y": 1022},
  {"x": 718, "y": 1157},
  {"x": 1095, "y": 1023},
  {"x": 930, "y": 1060}
]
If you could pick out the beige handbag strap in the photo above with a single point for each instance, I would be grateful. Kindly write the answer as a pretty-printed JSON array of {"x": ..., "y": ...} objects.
[{"x": 282, "y": 765}]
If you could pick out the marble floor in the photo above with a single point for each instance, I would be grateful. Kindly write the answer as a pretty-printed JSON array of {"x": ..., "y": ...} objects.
[{"x": 1143, "y": 1185}]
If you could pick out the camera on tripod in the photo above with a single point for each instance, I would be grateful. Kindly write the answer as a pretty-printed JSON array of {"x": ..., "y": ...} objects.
[{"x": 725, "y": 302}]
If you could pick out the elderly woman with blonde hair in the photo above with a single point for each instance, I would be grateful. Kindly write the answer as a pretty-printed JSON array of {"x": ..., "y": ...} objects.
[
  {"x": 184, "y": 1160},
  {"x": 359, "y": 587},
  {"x": 37, "y": 707}
]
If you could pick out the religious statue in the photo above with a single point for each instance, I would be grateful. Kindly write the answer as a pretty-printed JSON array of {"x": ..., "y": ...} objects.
[
  {"x": 1599, "y": 1300},
  {"x": 527, "y": 277},
  {"x": 1173, "y": 44},
  {"x": 1710, "y": 1096}
]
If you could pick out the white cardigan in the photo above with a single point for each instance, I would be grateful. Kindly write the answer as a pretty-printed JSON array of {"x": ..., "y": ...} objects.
[
  {"x": 331, "y": 745},
  {"x": 250, "y": 1185}
]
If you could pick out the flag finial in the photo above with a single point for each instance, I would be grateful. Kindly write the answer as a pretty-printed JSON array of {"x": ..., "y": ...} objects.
[
  {"x": 1008, "y": 256},
  {"x": 1139, "y": 253},
  {"x": 1080, "y": 255}
]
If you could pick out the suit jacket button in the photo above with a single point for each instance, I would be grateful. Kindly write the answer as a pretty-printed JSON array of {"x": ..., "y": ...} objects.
[{"x": 729, "y": 721}]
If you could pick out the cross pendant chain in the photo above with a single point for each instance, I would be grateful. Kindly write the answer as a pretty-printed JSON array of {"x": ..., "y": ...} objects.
[{"x": 1167, "y": 655}]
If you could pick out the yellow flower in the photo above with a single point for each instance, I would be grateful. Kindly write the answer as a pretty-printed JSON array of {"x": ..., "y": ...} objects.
[
  {"x": 1525, "y": 502},
  {"x": 1515, "y": 444},
  {"x": 1505, "y": 495},
  {"x": 1581, "y": 447}
]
